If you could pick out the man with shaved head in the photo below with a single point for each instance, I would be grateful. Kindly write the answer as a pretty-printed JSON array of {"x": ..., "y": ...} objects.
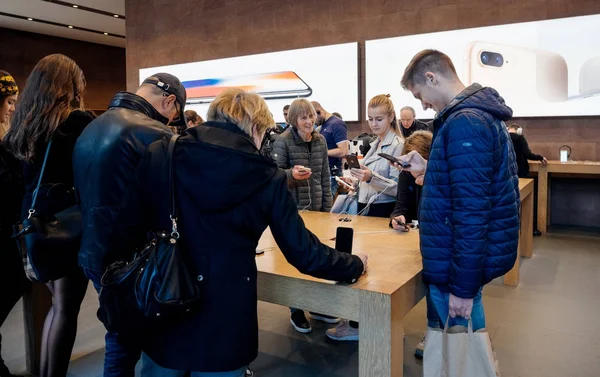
[{"x": 335, "y": 132}]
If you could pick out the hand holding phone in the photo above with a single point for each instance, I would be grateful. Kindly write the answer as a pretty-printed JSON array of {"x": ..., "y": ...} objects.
[
  {"x": 300, "y": 172},
  {"x": 416, "y": 163},
  {"x": 399, "y": 223},
  {"x": 394, "y": 160},
  {"x": 344, "y": 183}
]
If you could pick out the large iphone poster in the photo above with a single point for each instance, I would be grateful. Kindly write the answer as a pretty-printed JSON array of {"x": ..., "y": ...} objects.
[
  {"x": 327, "y": 74},
  {"x": 545, "y": 68}
]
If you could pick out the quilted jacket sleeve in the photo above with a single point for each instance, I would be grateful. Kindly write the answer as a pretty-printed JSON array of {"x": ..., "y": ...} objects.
[
  {"x": 281, "y": 158},
  {"x": 470, "y": 146},
  {"x": 326, "y": 182}
]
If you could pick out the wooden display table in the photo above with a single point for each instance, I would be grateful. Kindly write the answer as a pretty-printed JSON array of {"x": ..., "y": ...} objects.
[
  {"x": 571, "y": 168},
  {"x": 525, "y": 232},
  {"x": 379, "y": 300}
]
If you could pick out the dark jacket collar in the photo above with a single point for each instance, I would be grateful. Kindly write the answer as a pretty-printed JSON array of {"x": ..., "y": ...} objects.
[
  {"x": 297, "y": 139},
  {"x": 220, "y": 133},
  {"x": 134, "y": 102}
]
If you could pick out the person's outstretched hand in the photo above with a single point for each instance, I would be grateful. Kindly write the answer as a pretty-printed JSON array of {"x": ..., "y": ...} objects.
[
  {"x": 418, "y": 165},
  {"x": 460, "y": 307},
  {"x": 365, "y": 259},
  {"x": 544, "y": 161}
]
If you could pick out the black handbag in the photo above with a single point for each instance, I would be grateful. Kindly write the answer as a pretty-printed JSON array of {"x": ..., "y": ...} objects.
[
  {"x": 49, "y": 244},
  {"x": 156, "y": 285}
]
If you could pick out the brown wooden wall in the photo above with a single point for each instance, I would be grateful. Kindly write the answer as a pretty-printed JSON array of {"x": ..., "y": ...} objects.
[
  {"x": 161, "y": 33},
  {"x": 103, "y": 66}
]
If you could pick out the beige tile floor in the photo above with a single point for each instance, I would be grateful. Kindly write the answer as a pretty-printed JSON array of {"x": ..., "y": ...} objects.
[{"x": 547, "y": 327}]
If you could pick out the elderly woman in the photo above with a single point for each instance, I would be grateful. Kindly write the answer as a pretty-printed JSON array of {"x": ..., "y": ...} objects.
[{"x": 227, "y": 194}]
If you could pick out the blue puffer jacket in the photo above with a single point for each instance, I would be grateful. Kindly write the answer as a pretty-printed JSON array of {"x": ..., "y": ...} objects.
[{"x": 469, "y": 214}]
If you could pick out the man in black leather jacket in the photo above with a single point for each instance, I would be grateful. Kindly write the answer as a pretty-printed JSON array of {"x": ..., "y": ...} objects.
[{"x": 104, "y": 161}]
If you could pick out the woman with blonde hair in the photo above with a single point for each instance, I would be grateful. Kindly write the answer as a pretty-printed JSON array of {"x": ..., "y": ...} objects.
[
  {"x": 47, "y": 121},
  {"x": 409, "y": 187},
  {"x": 377, "y": 180},
  {"x": 226, "y": 194}
]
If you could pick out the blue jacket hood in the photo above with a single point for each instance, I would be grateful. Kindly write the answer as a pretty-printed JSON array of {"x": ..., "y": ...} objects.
[{"x": 475, "y": 96}]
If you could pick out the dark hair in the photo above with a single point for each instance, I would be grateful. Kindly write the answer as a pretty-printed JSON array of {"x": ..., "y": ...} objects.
[
  {"x": 286, "y": 107},
  {"x": 427, "y": 61},
  {"x": 193, "y": 116},
  {"x": 54, "y": 89}
]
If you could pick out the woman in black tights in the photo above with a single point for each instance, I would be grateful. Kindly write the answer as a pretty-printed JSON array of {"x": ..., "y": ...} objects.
[{"x": 50, "y": 108}]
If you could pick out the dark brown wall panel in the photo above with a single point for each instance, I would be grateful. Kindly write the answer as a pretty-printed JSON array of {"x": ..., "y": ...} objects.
[
  {"x": 103, "y": 66},
  {"x": 161, "y": 33}
]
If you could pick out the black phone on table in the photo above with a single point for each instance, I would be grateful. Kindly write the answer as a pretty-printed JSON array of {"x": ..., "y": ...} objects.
[
  {"x": 352, "y": 161},
  {"x": 393, "y": 159},
  {"x": 343, "y": 239}
]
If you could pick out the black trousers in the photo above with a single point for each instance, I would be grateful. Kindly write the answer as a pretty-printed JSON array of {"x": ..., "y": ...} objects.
[{"x": 12, "y": 279}]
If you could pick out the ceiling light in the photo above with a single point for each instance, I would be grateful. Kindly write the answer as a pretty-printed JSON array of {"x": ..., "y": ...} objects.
[
  {"x": 29, "y": 19},
  {"x": 116, "y": 16},
  {"x": 75, "y": 6},
  {"x": 70, "y": 27},
  {"x": 105, "y": 33}
]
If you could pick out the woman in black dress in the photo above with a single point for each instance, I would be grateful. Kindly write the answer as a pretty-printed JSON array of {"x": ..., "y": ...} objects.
[{"x": 50, "y": 108}]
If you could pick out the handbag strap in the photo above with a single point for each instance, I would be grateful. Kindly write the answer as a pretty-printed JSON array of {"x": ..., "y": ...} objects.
[
  {"x": 35, "y": 193},
  {"x": 173, "y": 207}
]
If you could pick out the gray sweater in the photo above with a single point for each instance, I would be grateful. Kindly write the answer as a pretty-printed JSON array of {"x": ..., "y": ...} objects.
[{"x": 289, "y": 150}]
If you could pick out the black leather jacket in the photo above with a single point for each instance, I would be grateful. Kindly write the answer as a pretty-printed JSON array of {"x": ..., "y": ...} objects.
[{"x": 104, "y": 161}]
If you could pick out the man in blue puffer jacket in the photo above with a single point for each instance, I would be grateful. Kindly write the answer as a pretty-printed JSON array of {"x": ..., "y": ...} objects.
[{"x": 469, "y": 214}]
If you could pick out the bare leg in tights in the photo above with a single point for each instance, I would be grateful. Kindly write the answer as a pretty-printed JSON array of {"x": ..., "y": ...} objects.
[{"x": 60, "y": 327}]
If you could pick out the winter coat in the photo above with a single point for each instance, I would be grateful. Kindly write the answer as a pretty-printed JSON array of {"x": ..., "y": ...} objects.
[
  {"x": 469, "y": 214},
  {"x": 289, "y": 149}
]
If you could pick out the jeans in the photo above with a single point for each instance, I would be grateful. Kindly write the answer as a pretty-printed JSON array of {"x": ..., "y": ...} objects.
[
  {"x": 438, "y": 309},
  {"x": 151, "y": 369},
  {"x": 120, "y": 357},
  {"x": 334, "y": 186}
]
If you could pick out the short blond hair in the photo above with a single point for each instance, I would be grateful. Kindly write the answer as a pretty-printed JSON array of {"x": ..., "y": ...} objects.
[
  {"x": 427, "y": 61},
  {"x": 299, "y": 108},
  {"x": 242, "y": 109}
]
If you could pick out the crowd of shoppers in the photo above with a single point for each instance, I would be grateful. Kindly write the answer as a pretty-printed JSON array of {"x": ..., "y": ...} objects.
[{"x": 115, "y": 168}]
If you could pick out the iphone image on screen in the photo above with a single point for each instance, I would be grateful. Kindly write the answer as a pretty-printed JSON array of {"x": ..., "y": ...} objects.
[
  {"x": 272, "y": 85},
  {"x": 517, "y": 73}
]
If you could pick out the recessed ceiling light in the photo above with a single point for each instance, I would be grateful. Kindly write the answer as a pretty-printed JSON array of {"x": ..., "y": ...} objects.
[
  {"x": 29, "y": 19},
  {"x": 75, "y": 6},
  {"x": 116, "y": 16},
  {"x": 70, "y": 27},
  {"x": 105, "y": 33}
]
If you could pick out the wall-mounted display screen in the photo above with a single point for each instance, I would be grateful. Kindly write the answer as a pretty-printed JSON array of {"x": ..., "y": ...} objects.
[
  {"x": 327, "y": 74},
  {"x": 545, "y": 68}
]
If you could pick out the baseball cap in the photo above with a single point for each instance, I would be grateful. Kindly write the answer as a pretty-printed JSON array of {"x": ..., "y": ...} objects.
[{"x": 171, "y": 85}]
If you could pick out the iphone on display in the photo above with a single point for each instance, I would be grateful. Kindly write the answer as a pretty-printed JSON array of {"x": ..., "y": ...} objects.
[
  {"x": 272, "y": 85},
  {"x": 517, "y": 73}
]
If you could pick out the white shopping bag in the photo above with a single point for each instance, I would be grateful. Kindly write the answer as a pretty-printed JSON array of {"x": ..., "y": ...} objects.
[{"x": 459, "y": 352}]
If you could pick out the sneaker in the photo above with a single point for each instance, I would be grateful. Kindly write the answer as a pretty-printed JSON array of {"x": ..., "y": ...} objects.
[
  {"x": 343, "y": 333},
  {"x": 249, "y": 373},
  {"x": 420, "y": 348},
  {"x": 300, "y": 323},
  {"x": 325, "y": 318}
]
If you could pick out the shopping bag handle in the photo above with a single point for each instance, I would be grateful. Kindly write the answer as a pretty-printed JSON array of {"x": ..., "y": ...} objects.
[{"x": 469, "y": 327}]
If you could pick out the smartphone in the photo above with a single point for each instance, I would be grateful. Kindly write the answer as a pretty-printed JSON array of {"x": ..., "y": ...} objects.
[
  {"x": 304, "y": 169},
  {"x": 343, "y": 239},
  {"x": 519, "y": 74},
  {"x": 352, "y": 162},
  {"x": 393, "y": 159},
  {"x": 286, "y": 84}
]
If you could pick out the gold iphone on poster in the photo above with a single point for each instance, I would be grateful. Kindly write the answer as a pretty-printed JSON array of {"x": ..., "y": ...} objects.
[{"x": 518, "y": 73}]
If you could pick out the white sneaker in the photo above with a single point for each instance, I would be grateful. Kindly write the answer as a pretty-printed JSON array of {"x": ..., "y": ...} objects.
[
  {"x": 343, "y": 333},
  {"x": 420, "y": 348}
]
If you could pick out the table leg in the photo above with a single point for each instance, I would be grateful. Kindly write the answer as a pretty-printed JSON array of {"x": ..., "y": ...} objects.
[
  {"x": 512, "y": 277},
  {"x": 527, "y": 226},
  {"x": 542, "y": 221},
  {"x": 36, "y": 303},
  {"x": 381, "y": 344}
]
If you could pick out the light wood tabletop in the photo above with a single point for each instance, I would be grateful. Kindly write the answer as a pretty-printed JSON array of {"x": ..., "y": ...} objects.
[{"x": 571, "y": 168}]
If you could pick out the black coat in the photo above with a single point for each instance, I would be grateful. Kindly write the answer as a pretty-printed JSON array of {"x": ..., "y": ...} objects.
[
  {"x": 523, "y": 154},
  {"x": 416, "y": 126},
  {"x": 105, "y": 158},
  {"x": 227, "y": 194},
  {"x": 407, "y": 197}
]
